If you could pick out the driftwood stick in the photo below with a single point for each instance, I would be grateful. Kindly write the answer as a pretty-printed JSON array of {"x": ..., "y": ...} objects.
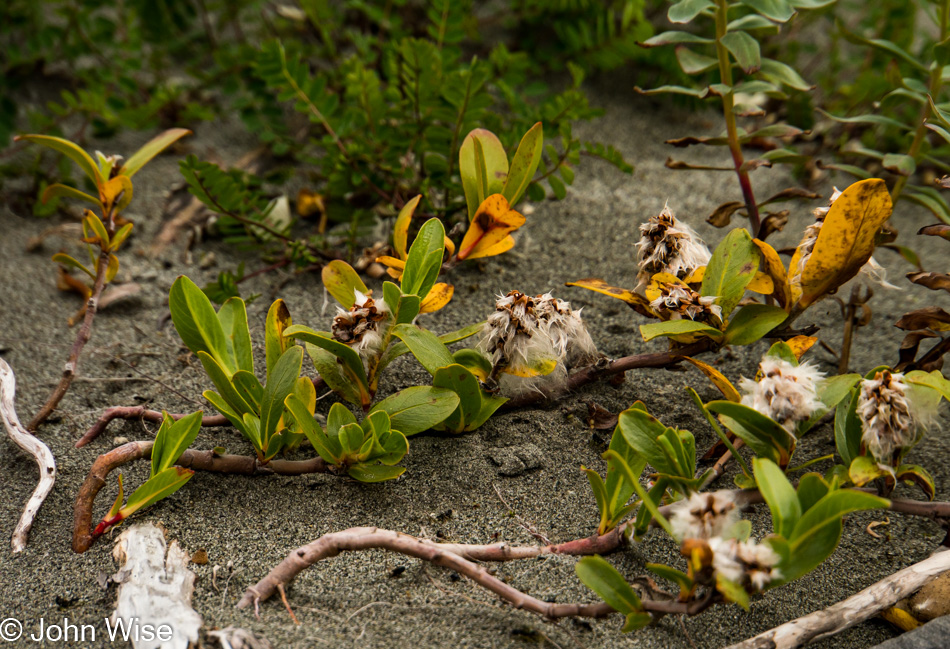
[
  {"x": 593, "y": 373},
  {"x": 140, "y": 412},
  {"x": 37, "y": 449},
  {"x": 83, "y": 536},
  {"x": 368, "y": 538},
  {"x": 857, "y": 608}
]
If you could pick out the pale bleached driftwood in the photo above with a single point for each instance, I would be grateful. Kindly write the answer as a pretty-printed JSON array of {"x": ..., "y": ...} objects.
[{"x": 29, "y": 443}]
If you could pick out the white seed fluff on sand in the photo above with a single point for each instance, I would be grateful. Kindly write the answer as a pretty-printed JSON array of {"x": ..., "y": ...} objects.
[
  {"x": 785, "y": 393},
  {"x": 703, "y": 515},
  {"x": 668, "y": 246}
]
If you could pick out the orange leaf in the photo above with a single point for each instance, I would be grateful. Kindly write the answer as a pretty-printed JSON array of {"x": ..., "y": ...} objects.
[
  {"x": 718, "y": 379},
  {"x": 639, "y": 303},
  {"x": 775, "y": 269},
  {"x": 801, "y": 344},
  {"x": 401, "y": 229},
  {"x": 494, "y": 221}
]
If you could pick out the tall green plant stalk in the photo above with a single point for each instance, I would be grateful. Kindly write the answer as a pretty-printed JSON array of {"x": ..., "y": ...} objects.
[
  {"x": 728, "y": 110},
  {"x": 933, "y": 89}
]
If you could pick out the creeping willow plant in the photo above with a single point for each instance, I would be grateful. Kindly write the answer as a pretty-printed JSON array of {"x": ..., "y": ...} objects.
[
  {"x": 702, "y": 303},
  {"x": 165, "y": 478},
  {"x": 103, "y": 233},
  {"x": 734, "y": 45}
]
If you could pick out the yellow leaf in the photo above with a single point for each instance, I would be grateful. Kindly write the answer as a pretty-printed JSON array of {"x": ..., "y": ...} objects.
[
  {"x": 776, "y": 270},
  {"x": 761, "y": 284},
  {"x": 654, "y": 291},
  {"x": 341, "y": 281},
  {"x": 112, "y": 189},
  {"x": 113, "y": 268},
  {"x": 310, "y": 202},
  {"x": 639, "y": 303},
  {"x": 801, "y": 344},
  {"x": 395, "y": 266},
  {"x": 696, "y": 277},
  {"x": 493, "y": 222},
  {"x": 401, "y": 229},
  {"x": 846, "y": 239},
  {"x": 540, "y": 368},
  {"x": 502, "y": 246},
  {"x": 718, "y": 379},
  {"x": 438, "y": 297},
  {"x": 450, "y": 247}
]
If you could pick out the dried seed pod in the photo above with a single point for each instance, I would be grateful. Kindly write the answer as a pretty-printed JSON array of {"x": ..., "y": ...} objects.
[
  {"x": 362, "y": 325},
  {"x": 679, "y": 301},
  {"x": 890, "y": 422},
  {"x": 668, "y": 246},
  {"x": 786, "y": 393},
  {"x": 703, "y": 515}
]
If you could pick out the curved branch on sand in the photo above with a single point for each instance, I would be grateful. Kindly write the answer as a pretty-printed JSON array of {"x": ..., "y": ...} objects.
[
  {"x": 29, "y": 443},
  {"x": 83, "y": 536}
]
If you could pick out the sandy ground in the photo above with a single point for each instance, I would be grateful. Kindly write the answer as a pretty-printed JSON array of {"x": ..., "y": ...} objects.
[{"x": 449, "y": 486}]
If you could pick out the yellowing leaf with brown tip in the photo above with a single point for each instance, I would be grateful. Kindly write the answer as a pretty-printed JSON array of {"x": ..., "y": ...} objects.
[
  {"x": 775, "y": 269},
  {"x": 502, "y": 246},
  {"x": 761, "y": 283},
  {"x": 718, "y": 379},
  {"x": 401, "y": 228},
  {"x": 395, "y": 267},
  {"x": 493, "y": 222},
  {"x": 653, "y": 291},
  {"x": 846, "y": 239},
  {"x": 639, "y": 303},
  {"x": 438, "y": 297}
]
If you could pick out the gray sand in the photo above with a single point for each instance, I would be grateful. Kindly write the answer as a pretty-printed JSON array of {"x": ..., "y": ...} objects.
[{"x": 448, "y": 488}]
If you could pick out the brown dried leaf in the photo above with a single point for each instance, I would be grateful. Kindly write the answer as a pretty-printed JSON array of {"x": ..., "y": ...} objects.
[
  {"x": 790, "y": 194},
  {"x": 723, "y": 214},
  {"x": 680, "y": 164},
  {"x": 931, "y": 317},
  {"x": 772, "y": 223},
  {"x": 692, "y": 139},
  {"x": 599, "y": 418},
  {"x": 910, "y": 345},
  {"x": 936, "y": 230},
  {"x": 933, "y": 281}
]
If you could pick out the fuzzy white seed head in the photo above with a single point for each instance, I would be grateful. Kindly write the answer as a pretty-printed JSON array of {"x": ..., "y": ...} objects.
[
  {"x": 362, "y": 325},
  {"x": 889, "y": 423},
  {"x": 678, "y": 301},
  {"x": 749, "y": 564},
  {"x": 668, "y": 246},
  {"x": 524, "y": 333},
  {"x": 703, "y": 515},
  {"x": 785, "y": 393}
]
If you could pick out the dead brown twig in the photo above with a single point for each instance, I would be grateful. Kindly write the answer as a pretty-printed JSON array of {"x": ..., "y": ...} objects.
[
  {"x": 83, "y": 536},
  {"x": 37, "y": 449}
]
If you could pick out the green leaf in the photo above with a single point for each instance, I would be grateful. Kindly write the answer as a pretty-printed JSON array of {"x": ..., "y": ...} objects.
[
  {"x": 222, "y": 406},
  {"x": 463, "y": 383},
  {"x": 237, "y": 338},
  {"x": 831, "y": 391},
  {"x": 524, "y": 164},
  {"x": 685, "y": 10},
  {"x": 678, "y": 577},
  {"x": 418, "y": 408},
  {"x": 699, "y": 93},
  {"x": 884, "y": 45},
  {"x": 817, "y": 533},
  {"x": 327, "y": 448},
  {"x": 778, "y": 72},
  {"x": 641, "y": 430},
  {"x": 752, "y": 322},
  {"x": 744, "y": 48},
  {"x": 425, "y": 259},
  {"x": 732, "y": 266},
  {"x": 602, "y": 578},
  {"x": 693, "y": 62},
  {"x": 374, "y": 473},
  {"x": 732, "y": 591},
  {"x": 918, "y": 475},
  {"x": 779, "y": 494},
  {"x": 341, "y": 281},
  {"x": 900, "y": 164},
  {"x": 71, "y": 151},
  {"x": 425, "y": 346},
  {"x": 763, "y": 435},
  {"x": 674, "y": 38},
  {"x": 57, "y": 190},
  {"x": 222, "y": 381},
  {"x": 483, "y": 166},
  {"x": 331, "y": 373},
  {"x": 151, "y": 149},
  {"x": 351, "y": 360},
  {"x": 279, "y": 384},
  {"x": 172, "y": 438},
  {"x": 600, "y": 495},
  {"x": 677, "y": 328},
  {"x": 864, "y": 469},
  {"x": 197, "y": 323},
  {"x": 66, "y": 260},
  {"x": 874, "y": 120},
  {"x": 159, "y": 486},
  {"x": 777, "y": 10}
]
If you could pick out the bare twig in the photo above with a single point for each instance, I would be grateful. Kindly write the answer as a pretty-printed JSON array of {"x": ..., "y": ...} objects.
[
  {"x": 857, "y": 608},
  {"x": 83, "y": 537},
  {"x": 594, "y": 373},
  {"x": 85, "y": 331},
  {"x": 37, "y": 449},
  {"x": 366, "y": 538}
]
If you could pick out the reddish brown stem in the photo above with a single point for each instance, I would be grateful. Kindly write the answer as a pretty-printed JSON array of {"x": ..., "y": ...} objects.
[
  {"x": 370, "y": 538},
  {"x": 140, "y": 412},
  {"x": 83, "y": 537},
  {"x": 594, "y": 373},
  {"x": 85, "y": 331}
]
